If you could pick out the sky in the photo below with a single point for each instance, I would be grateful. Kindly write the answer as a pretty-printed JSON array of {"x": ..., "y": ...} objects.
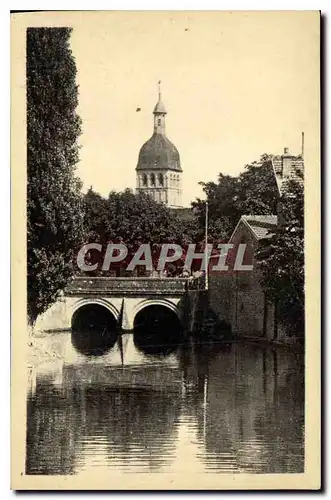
[{"x": 235, "y": 85}]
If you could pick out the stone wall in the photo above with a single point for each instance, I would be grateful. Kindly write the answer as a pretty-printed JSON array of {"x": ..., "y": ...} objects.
[
  {"x": 238, "y": 299},
  {"x": 196, "y": 305},
  {"x": 220, "y": 296},
  {"x": 125, "y": 286}
]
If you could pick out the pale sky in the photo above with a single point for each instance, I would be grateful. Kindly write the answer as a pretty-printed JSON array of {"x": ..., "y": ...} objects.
[{"x": 235, "y": 85}]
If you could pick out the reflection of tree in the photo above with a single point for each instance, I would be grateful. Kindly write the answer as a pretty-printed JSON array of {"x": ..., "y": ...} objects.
[
  {"x": 285, "y": 435},
  {"x": 246, "y": 402},
  {"x": 194, "y": 361},
  {"x": 254, "y": 416},
  {"x": 51, "y": 432},
  {"x": 139, "y": 425}
]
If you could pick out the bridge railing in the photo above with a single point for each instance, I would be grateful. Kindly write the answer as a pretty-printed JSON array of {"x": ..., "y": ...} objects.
[
  {"x": 196, "y": 283},
  {"x": 129, "y": 285}
]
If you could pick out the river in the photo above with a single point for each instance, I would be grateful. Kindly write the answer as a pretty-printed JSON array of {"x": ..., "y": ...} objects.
[{"x": 236, "y": 407}]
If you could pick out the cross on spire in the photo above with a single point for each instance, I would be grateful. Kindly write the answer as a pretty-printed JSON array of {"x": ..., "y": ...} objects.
[{"x": 159, "y": 87}]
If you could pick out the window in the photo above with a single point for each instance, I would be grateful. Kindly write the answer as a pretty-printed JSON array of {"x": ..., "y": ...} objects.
[
  {"x": 159, "y": 122},
  {"x": 160, "y": 179},
  {"x": 144, "y": 180},
  {"x": 152, "y": 179}
]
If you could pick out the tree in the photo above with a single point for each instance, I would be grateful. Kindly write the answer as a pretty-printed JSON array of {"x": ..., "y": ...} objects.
[
  {"x": 257, "y": 188},
  {"x": 133, "y": 219},
  {"x": 281, "y": 260},
  {"x": 96, "y": 217},
  {"x": 254, "y": 191},
  {"x": 222, "y": 208},
  {"x": 54, "y": 202}
]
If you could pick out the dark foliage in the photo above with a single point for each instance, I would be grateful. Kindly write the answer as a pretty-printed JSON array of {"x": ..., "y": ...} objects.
[
  {"x": 281, "y": 260},
  {"x": 254, "y": 191},
  {"x": 134, "y": 219},
  {"x": 54, "y": 204}
]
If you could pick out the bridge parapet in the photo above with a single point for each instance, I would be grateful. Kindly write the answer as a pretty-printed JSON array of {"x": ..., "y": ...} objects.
[
  {"x": 197, "y": 283},
  {"x": 81, "y": 286}
]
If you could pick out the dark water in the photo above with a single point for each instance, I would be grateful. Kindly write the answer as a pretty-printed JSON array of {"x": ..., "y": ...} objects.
[{"x": 223, "y": 408}]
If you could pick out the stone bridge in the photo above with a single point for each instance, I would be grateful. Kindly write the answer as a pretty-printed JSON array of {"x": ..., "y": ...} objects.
[{"x": 133, "y": 294}]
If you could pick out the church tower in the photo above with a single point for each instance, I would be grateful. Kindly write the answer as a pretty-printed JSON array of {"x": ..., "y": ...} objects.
[{"x": 159, "y": 173}]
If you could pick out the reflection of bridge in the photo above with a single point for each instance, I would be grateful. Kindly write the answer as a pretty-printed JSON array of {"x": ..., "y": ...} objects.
[{"x": 134, "y": 294}]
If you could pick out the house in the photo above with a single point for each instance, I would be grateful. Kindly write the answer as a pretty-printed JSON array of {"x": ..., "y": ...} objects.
[
  {"x": 252, "y": 314},
  {"x": 237, "y": 296},
  {"x": 285, "y": 167}
]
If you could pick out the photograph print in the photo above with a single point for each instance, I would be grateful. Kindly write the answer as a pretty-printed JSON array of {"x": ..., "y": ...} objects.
[{"x": 165, "y": 214}]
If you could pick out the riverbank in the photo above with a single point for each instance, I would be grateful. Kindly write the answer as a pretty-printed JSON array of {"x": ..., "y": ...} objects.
[{"x": 37, "y": 354}]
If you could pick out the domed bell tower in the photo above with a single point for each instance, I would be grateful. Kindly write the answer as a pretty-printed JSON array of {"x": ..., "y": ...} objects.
[{"x": 159, "y": 173}]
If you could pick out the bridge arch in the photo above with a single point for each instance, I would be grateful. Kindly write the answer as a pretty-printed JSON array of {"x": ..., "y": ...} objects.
[
  {"x": 93, "y": 326},
  {"x": 157, "y": 327},
  {"x": 95, "y": 301},
  {"x": 156, "y": 302}
]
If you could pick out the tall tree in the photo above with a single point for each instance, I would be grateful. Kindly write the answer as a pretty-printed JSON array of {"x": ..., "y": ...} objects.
[
  {"x": 281, "y": 259},
  {"x": 54, "y": 202}
]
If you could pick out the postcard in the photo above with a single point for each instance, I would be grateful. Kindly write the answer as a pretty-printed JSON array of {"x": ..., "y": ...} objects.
[{"x": 165, "y": 250}]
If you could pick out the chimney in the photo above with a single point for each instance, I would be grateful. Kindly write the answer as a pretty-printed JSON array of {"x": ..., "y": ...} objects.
[
  {"x": 286, "y": 163},
  {"x": 302, "y": 144}
]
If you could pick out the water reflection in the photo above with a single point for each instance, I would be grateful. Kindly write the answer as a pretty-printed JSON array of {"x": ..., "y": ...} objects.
[
  {"x": 225, "y": 408},
  {"x": 254, "y": 421},
  {"x": 67, "y": 425}
]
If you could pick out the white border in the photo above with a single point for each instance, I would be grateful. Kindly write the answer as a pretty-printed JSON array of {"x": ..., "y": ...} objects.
[{"x": 5, "y": 156}]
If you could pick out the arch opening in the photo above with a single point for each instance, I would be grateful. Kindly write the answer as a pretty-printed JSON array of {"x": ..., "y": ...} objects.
[
  {"x": 93, "y": 330},
  {"x": 157, "y": 330}
]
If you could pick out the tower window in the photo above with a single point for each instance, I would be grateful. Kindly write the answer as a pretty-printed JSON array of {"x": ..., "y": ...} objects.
[
  {"x": 160, "y": 179},
  {"x": 144, "y": 180},
  {"x": 152, "y": 179},
  {"x": 159, "y": 121}
]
